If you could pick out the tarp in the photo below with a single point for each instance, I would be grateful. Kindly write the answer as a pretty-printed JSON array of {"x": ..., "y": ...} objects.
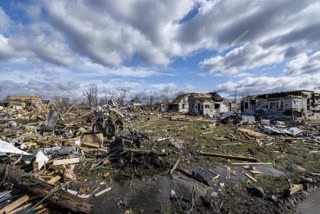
[{"x": 290, "y": 131}]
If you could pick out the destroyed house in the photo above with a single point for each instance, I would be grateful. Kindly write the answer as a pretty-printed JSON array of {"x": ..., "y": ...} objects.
[
  {"x": 200, "y": 104},
  {"x": 180, "y": 103},
  {"x": 135, "y": 102},
  {"x": 23, "y": 100},
  {"x": 291, "y": 105}
]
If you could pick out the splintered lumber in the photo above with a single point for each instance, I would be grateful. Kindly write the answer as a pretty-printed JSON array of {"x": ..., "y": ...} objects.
[
  {"x": 19, "y": 209},
  {"x": 15, "y": 204},
  {"x": 54, "y": 180},
  {"x": 252, "y": 178},
  {"x": 24, "y": 199},
  {"x": 102, "y": 192},
  {"x": 294, "y": 188},
  {"x": 144, "y": 152},
  {"x": 92, "y": 140},
  {"x": 251, "y": 133},
  {"x": 175, "y": 166},
  {"x": 315, "y": 174},
  {"x": 40, "y": 188},
  {"x": 251, "y": 164},
  {"x": 66, "y": 161},
  {"x": 228, "y": 156}
]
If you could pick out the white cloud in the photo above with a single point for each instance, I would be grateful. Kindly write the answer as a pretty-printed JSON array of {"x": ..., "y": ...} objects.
[
  {"x": 241, "y": 59},
  {"x": 271, "y": 32},
  {"x": 5, "y": 50},
  {"x": 4, "y": 21},
  {"x": 304, "y": 64},
  {"x": 266, "y": 84}
]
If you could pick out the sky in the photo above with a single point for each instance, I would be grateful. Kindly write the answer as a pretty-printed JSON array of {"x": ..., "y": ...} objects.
[{"x": 61, "y": 47}]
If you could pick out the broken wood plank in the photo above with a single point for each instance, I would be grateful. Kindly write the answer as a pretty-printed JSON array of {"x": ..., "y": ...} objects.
[
  {"x": 315, "y": 174},
  {"x": 54, "y": 180},
  {"x": 102, "y": 192},
  {"x": 252, "y": 178},
  {"x": 15, "y": 204},
  {"x": 251, "y": 133},
  {"x": 25, "y": 198},
  {"x": 89, "y": 144},
  {"x": 252, "y": 164},
  {"x": 66, "y": 161},
  {"x": 228, "y": 156},
  {"x": 144, "y": 152},
  {"x": 255, "y": 172},
  {"x": 294, "y": 188},
  {"x": 41, "y": 189},
  {"x": 258, "y": 141},
  {"x": 21, "y": 208},
  {"x": 175, "y": 166}
]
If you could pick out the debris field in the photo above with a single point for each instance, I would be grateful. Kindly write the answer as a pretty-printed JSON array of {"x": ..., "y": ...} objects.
[{"x": 75, "y": 159}]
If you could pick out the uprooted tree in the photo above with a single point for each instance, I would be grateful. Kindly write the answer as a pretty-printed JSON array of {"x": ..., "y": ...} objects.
[{"x": 91, "y": 95}]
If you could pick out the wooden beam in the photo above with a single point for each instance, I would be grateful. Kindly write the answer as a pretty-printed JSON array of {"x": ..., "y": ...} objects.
[
  {"x": 102, "y": 192},
  {"x": 252, "y": 178},
  {"x": 66, "y": 161},
  {"x": 175, "y": 166},
  {"x": 251, "y": 164},
  {"x": 228, "y": 156},
  {"x": 15, "y": 204},
  {"x": 23, "y": 199}
]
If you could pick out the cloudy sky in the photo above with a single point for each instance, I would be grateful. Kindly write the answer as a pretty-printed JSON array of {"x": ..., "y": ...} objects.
[{"x": 60, "y": 47}]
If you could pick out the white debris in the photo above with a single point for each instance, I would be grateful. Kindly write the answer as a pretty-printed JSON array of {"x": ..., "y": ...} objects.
[
  {"x": 6, "y": 147},
  {"x": 41, "y": 158}
]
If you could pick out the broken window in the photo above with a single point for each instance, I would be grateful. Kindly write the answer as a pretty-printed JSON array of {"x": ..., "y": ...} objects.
[
  {"x": 206, "y": 106},
  {"x": 183, "y": 105},
  {"x": 217, "y": 105},
  {"x": 246, "y": 105},
  {"x": 281, "y": 104}
]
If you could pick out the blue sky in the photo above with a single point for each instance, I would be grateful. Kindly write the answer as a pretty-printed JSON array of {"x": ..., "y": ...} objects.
[{"x": 51, "y": 48}]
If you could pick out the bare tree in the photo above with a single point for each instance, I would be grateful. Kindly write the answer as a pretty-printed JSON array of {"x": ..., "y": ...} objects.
[
  {"x": 91, "y": 95},
  {"x": 122, "y": 95},
  {"x": 165, "y": 92}
]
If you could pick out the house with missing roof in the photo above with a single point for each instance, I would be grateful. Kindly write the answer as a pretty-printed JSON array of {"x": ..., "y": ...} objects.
[
  {"x": 135, "y": 102},
  {"x": 290, "y": 105},
  {"x": 200, "y": 104}
]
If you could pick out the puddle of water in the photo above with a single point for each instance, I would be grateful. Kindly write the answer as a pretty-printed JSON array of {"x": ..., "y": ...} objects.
[{"x": 310, "y": 205}]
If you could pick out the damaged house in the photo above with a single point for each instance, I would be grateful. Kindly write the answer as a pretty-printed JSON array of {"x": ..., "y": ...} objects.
[
  {"x": 22, "y": 100},
  {"x": 200, "y": 104},
  {"x": 291, "y": 105},
  {"x": 135, "y": 102}
]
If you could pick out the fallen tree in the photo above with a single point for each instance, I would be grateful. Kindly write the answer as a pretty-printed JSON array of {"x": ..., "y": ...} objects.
[{"x": 41, "y": 189}]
